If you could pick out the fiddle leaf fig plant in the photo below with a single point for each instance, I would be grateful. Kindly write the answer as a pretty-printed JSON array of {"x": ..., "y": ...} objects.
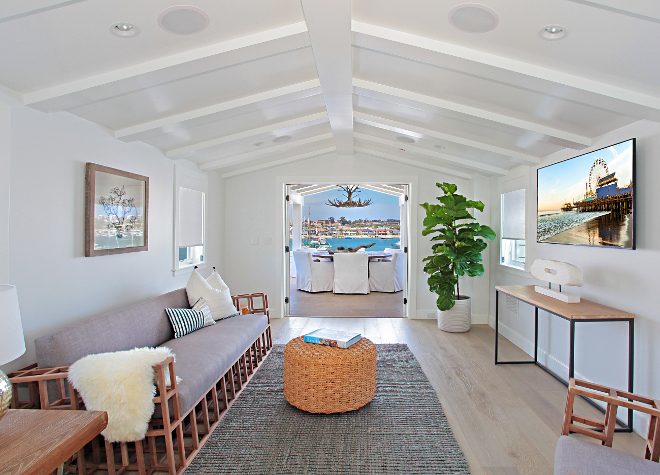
[{"x": 457, "y": 243}]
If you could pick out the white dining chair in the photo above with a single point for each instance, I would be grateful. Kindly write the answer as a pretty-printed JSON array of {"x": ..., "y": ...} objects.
[
  {"x": 311, "y": 275},
  {"x": 387, "y": 276},
  {"x": 351, "y": 273}
]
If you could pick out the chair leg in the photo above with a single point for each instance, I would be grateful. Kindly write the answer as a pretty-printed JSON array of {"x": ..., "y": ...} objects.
[{"x": 568, "y": 412}]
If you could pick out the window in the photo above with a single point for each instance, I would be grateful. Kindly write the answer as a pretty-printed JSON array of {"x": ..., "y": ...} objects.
[
  {"x": 189, "y": 220},
  {"x": 512, "y": 245}
]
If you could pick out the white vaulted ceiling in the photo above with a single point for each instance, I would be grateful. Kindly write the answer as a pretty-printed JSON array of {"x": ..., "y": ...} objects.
[{"x": 340, "y": 76}]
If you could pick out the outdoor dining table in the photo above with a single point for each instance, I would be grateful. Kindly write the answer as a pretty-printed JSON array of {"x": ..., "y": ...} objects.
[{"x": 372, "y": 255}]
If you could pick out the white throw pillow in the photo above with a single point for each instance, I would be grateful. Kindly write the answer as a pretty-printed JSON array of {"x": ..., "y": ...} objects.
[
  {"x": 219, "y": 301},
  {"x": 216, "y": 281}
]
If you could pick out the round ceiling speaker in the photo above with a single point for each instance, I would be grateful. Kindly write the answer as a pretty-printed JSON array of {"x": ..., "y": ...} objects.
[
  {"x": 282, "y": 138},
  {"x": 183, "y": 20},
  {"x": 473, "y": 18},
  {"x": 404, "y": 139}
]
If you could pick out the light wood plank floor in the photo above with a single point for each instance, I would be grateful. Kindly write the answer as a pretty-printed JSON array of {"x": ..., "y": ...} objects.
[
  {"x": 507, "y": 419},
  {"x": 374, "y": 304}
]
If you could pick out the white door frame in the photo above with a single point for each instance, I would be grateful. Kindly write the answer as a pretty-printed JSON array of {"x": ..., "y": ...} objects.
[{"x": 411, "y": 181}]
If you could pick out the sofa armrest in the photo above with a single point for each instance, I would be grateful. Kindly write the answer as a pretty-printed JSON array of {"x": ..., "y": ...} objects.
[
  {"x": 249, "y": 301},
  {"x": 47, "y": 388}
]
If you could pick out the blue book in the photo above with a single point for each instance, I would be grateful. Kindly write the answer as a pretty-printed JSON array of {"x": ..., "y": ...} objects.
[{"x": 334, "y": 338}]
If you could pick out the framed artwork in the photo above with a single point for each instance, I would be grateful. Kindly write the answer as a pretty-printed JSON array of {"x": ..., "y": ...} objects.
[{"x": 116, "y": 211}]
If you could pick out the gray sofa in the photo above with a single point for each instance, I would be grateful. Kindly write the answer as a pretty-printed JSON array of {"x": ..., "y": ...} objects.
[
  {"x": 214, "y": 364},
  {"x": 201, "y": 357},
  {"x": 584, "y": 457}
]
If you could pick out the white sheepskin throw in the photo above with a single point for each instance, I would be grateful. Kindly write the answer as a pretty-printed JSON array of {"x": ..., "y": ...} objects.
[{"x": 122, "y": 384}]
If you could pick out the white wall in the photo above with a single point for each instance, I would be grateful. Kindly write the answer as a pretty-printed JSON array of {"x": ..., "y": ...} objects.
[
  {"x": 5, "y": 148},
  {"x": 56, "y": 284},
  {"x": 253, "y": 208},
  {"x": 623, "y": 279}
]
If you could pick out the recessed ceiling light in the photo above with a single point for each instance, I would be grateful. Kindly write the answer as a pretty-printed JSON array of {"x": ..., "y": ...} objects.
[
  {"x": 553, "y": 32},
  {"x": 258, "y": 144},
  {"x": 282, "y": 138},
  {"x": 440, "y": 147},
  {"x": 183, "y": 20},
  {"x": 473, "y": 18},
  {"x": 124, "y": 29},
  {"x": 404, "y": 139}
]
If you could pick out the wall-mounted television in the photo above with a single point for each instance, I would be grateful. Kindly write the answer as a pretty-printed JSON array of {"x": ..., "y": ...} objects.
[{"x": 589, "y": 200}]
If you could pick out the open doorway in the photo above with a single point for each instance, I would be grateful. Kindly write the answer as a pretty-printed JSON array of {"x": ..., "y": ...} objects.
[{"x": 347, "y": 252}]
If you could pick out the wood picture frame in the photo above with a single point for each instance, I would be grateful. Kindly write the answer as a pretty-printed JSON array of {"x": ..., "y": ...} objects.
[{"x": 119, "y": 223}]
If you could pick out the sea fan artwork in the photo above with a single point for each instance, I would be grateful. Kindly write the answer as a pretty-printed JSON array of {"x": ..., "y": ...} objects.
[
  {"x": 116, "y": 211},
  {"x": 121, "y": 211}
]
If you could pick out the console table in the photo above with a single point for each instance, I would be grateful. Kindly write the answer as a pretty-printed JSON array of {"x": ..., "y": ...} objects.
[
  {"x": 585, "y": 311},
  {"x": 34, "y": 441}
]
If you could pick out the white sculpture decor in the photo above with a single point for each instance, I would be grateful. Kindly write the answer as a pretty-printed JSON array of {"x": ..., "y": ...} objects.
[{"x": 560, "y": 273}]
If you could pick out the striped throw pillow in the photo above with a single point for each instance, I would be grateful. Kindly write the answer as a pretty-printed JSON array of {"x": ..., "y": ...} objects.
[{"x": 185, "y": 320}]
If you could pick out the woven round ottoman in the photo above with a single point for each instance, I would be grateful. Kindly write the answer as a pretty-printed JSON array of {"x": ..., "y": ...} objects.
[{"x": 326, "y": 380}]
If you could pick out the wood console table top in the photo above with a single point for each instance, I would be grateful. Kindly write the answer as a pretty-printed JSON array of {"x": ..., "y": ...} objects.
[
  {"x": 39, "y": 441},
  {"x": 585, "y": 310}
]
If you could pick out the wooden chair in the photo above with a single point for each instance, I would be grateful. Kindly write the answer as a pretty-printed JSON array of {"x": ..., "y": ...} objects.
[{"x": 604, "y": 431}]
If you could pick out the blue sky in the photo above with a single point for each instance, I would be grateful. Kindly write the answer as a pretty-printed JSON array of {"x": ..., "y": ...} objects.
[
  {"x": 382, "y": 206},
  {"x": 565, "y": 181}
]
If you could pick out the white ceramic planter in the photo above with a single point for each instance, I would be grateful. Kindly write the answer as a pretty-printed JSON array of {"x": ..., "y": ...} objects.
[{"x": 458, "y": 319}]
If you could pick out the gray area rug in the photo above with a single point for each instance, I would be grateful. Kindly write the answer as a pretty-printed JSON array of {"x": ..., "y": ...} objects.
[{"x": 403, "y": 430}]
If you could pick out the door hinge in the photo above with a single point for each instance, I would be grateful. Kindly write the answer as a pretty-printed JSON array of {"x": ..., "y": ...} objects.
[
  {"x": 405, "y": 301},
  {"x": 286, "y": 248},
  {"x": 406, "y": 197},
  {"x": 286, "y": 299},
  {"x": 405, "y": 250},
  {"x": 287, "y": 197}
]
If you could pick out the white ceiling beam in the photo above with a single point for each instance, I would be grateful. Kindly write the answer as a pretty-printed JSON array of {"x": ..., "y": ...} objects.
[
  {"x": 463, "y": 162},
  {"x": 180, "y": 62},
  {"x": 329, "y": 24},
  {"x": 401, "y": 127},
  {"x": 475, "y": 112},
  {"x": 318, "y": 189},
  {"x": 502, "y": 62},
  {"x": 282, "y": 161},
  {"x": 381, "y": 190},
  {"x": 129, "y": 134},
  {"x": 414, "y": 163},
  {"x": 229, "y": 161},
  {"x": 293, "y": 124},
  {"x": 390, "y": 187},
  {"x": 12, "y": 9}
]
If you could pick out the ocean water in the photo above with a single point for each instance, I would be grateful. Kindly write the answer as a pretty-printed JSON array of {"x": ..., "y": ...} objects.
[{"x": 380, "y": 245}]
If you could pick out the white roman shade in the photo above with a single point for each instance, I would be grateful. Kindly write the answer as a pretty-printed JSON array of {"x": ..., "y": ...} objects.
[
  {"x": 513, "y": 215},
  {"x": 191, "y": 217}
]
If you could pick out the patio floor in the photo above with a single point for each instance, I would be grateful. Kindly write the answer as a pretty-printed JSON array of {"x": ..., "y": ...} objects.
[{"x": 327, "y": 304}]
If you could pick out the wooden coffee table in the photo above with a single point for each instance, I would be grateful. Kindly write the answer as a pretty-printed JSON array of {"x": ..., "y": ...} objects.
[
  {"x": 34, "y": 441},
  {"x": 322, "y": 379}
]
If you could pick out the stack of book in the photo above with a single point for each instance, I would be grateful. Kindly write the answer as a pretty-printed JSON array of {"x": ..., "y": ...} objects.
[{"x": 334, "y": 338}]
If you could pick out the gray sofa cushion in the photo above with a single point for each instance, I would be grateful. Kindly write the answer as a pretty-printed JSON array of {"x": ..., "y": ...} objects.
[
  {"x": 139, "y": 325},
  {"x": 206, "y": 354},
  {"x": 582, "y": 457}
]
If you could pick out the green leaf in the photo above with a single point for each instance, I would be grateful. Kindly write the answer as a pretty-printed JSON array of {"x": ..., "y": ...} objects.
[
  {"x": 448, "y": 188},
  {"x": 486, "y": 233},
  {"x": 445, "y": 302}
]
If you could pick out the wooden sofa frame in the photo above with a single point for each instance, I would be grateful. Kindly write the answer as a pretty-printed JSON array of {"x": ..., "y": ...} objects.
[
  {"x": 172, "y": 440},
  {"x": 604, "y": 431}
]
